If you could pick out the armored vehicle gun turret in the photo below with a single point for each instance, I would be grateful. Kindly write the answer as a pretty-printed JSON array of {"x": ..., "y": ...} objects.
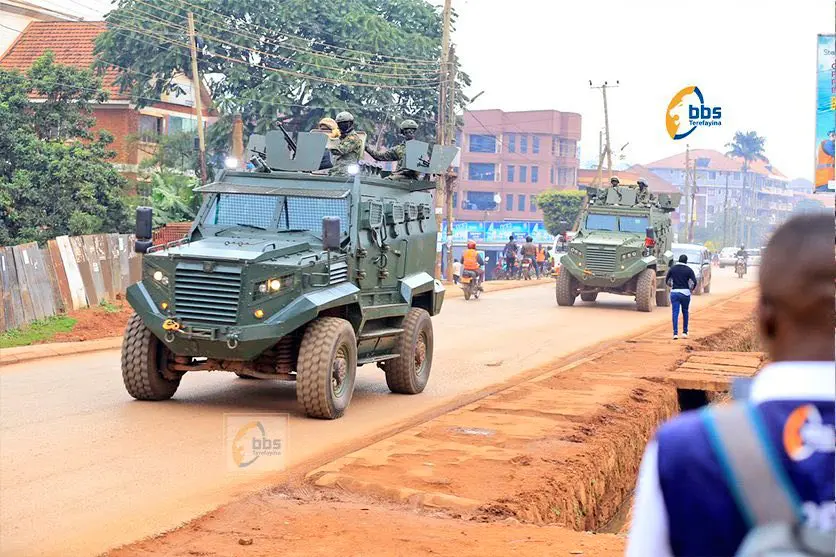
[
  {"x": 288, "y": 274},
  {"x": 623, "y": 246}
]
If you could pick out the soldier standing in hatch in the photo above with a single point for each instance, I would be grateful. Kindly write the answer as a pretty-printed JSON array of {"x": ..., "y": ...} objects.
[
  {"x": 398, "y": 153},
  {"x": 643, "y": 196},
  {"x": 348, "y": 148},
  {"x": 614, "y": 181}
]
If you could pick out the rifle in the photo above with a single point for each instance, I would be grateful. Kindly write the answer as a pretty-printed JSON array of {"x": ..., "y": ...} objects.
[{"x": 287, "y": 138}]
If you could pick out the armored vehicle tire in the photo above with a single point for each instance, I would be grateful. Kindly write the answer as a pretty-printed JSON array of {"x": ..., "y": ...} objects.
[
  {"x": 242, "y": 375},
  {"x": 564, "y": 291},
  {"x": 142, "y": 357},
  {"x": 663, "y": 297},
  {"x": 589, "y": 296},
  {"x": 646, "y": 290},
  {"x": 326, "y": 368},
  {"x": 409, "y": 373}
]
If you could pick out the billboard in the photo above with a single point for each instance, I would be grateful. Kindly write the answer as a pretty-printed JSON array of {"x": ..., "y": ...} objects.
[
  {"x": 825, "y": 113},
  {"x": 497, "y": 232}
]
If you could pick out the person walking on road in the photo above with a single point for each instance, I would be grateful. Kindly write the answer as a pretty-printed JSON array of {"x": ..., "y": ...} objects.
[
  {"x": 683, "y": 281},
  {"x": 457, "y": 271},
  {"x": 756, "y": 475},
  {"x": 510, "y": 254}
]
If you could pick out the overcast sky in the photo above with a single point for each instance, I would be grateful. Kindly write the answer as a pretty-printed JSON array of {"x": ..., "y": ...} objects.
[{"x": 756, "y": 59}]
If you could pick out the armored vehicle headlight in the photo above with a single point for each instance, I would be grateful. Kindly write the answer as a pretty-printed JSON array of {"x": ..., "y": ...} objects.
[
  {"x": 158, "y": 276},
  {"x": 575, "y": 251},
  {"x": 262, "y": 288},
  {"x": 274, "y": 285}
]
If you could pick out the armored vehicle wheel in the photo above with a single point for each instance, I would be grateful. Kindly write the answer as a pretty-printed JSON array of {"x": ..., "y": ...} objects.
[
  {"x": 646, "y": 290},
  {"x": 326, "y": 368},
  {"x": 242, "y": 375},
  {"x": 663, "y": 297},
  {"x": 143, "y": 358},
  {"x": 565, "y": 290},
  {"x": 409, "y": 373},
  {"x": 589, "y": 296}
]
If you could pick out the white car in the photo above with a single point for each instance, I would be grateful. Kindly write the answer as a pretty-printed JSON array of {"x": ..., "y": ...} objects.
[
  {"x": 728, "y": 256},
  {"x": 754, "y": 256}
]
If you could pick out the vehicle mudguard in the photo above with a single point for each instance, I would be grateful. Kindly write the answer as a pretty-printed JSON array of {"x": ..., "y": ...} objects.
[
  {"x": 419, "y": 283},
  {"x": 306, "y": 307}
]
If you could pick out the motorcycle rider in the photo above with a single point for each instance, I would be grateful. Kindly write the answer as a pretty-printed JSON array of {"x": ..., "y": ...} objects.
[
  {"x": 741, "y": 254},
  {"x": 472, "y": 262},
  {"x": 529, "y": 251},
  {"x": 510, "y": 253}
]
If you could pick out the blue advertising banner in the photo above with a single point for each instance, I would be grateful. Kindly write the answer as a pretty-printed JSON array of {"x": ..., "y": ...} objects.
[
  {"x": 497, "y": 232},
  {"x": 825, "y": 113}
]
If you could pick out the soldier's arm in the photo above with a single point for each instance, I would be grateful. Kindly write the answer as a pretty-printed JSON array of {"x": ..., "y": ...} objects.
[
  {"x": 346, "y": 146},
  {"x": 384, "y": 155}
]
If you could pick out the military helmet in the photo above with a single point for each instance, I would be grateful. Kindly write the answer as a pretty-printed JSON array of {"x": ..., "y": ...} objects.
[
  {"x": 344, "y": 116},
  {"x": 409, "y": 125},
  {"x": 641, "y": 182},
  {"x": 613, "y": 180}
]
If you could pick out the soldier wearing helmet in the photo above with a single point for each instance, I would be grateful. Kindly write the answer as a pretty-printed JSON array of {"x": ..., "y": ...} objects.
[
  {"x": 348, "y": 148},
  {"x": 614, "y": 181},
  {"x": 408, "y": 130},
  {"x": 643, "y": 195}
]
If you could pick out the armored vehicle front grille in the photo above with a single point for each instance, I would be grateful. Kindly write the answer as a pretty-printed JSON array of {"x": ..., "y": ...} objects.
[
  {"x": 207, "y": 297},
  {"x": 339, "y": 272},
  {"x": 600, "y": 260}
]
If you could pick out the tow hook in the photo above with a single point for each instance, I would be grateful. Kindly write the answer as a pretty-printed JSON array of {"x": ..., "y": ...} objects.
[
  {"x": 232, "y": 341},
  {"x": 170, "y": 326}
]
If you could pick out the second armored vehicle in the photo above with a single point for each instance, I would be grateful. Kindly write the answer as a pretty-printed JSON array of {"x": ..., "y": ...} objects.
[{"x": 621, "y": 247}]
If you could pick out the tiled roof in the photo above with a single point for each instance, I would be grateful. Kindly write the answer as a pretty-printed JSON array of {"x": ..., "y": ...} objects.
[
  {"x": 716, "y": 161},
  {"x": 72, "y": 42}
]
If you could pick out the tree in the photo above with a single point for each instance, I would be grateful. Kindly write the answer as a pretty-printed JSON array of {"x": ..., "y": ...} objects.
[
  {"x": 748, "y": 146},
  {"x": 54, "y": 178},
  {"x": 295, "y": 60},
  {"x": 173, "y": 198},
  {"x": 560, "y": 209}
]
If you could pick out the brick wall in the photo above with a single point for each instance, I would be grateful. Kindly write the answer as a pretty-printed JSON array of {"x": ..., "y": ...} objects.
[{"x": 122, "y": 122}]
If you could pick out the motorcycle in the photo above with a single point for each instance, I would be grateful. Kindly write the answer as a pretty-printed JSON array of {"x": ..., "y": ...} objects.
[
  {"x": 527, "y": 269},
  {"x": 740, "y": 267},
  {"x": 471, "y": 284}
]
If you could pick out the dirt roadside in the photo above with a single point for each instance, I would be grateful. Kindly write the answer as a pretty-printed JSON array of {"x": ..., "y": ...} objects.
[{"x": 524, "y": 471}]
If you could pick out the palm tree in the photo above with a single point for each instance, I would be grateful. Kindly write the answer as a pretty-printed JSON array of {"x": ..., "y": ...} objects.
[{"x": 749, "y": 147}]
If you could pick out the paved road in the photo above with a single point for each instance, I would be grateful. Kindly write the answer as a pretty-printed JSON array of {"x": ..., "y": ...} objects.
[{"x": 84, "y": 468}]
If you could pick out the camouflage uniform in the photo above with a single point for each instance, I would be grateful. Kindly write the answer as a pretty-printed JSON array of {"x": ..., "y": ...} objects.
[
  {"x": 348, "y": 151},
  {"x": 396, "y": 153},
  {"x": 643, "y": 196}
]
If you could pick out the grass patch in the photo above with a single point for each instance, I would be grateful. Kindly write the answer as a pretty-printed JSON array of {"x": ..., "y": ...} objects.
[
  {"x": 36, "y": 331},
  {"x": 109, "y": 307}
]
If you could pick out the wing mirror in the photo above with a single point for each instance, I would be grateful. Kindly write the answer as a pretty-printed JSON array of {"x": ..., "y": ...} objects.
[
  {"x": 331, "y": 233},
  {"x": 143, "y": 230}
]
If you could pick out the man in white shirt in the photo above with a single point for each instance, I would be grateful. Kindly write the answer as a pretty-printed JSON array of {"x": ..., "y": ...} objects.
[
  {"x": 457, "y": 271},
  {"x": 688, "y": 502}
]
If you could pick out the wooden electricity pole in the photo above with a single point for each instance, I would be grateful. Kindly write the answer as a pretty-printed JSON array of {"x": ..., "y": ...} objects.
[
  {"x": 237, "y": 141},
  {"x": 693, "y": 203},
  {"x": 449, "y": 177},
  {"x": 603, "y": 89},
  {"x": 726, "y": 212},
  {"x": 198, "y": 108},
  {"x": 687, "y": 186},
  {"x": 441, "y": 126}
]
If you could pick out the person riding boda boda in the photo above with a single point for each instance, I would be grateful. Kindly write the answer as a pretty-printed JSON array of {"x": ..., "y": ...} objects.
[
  {"x": 472, "y": 261},
  {"x": 741, "y": 253},
  {"x": 529, "y": 251},
  {"x": 541, "y": 258}
]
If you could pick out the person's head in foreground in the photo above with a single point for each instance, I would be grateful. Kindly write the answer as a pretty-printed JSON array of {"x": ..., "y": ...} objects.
[{"x": 744, "y": 478}]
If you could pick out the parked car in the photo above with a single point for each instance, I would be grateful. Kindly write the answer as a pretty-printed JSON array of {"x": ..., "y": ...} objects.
[
  {"x": 754, "y": 256},
  {"x": 728, "y": 256},
  {"x": 699, "y": 259}
]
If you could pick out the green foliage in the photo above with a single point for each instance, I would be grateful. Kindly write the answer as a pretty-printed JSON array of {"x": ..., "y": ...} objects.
[
  {"x": 54, "y": 176},
  {"x": 748, "y": 146},
  {"x": 173, "y": 198},
  {"x": 109, "y": 307},
  {"x": 173, "y": 152},
  {"x": 805, "y": 205},
  {"x": 36, "y": 331},
  {"x": 560, "y": 209},
  {"x": 139, "y": 38}
]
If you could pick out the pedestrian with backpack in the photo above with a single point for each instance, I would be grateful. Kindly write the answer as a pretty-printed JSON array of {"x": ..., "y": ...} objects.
[{"x": 756, "y": 477}]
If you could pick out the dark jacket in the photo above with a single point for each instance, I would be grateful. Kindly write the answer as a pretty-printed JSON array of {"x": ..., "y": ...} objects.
[{"x": 681, "y": 277}]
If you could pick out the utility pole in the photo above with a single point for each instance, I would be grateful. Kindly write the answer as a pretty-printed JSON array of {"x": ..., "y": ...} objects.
[
  {"x": 198, "y": 108},
  {"x": 442, "y": 122},
  {"x": 693, "y": 203},
  {"x": 600, "y": 157},
  {"x": 688, "y": 208},
  {"x": 603, "y": 89},
  {"x": 237, "y": 141},
  {"x": 726, "y": 212},
  {"x": 449, "y": 178}
]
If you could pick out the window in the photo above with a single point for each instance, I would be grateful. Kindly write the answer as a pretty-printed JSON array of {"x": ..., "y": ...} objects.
[
  {"x": 551, "y": 175},
  {"x": 523, "y": 144},
  {"x": 509, "y": 202},
  {"x": 535, "y": 144},
  {"x": 703, "y": 162},
  {"x": 482, "y": 143},
  {"x": 150, "y": 128},
  {"x": 455, "y": 199},
  {"x": 535, "y": 174},
  {"x": 712, "y": 175},
  {"x": 737, "y": 175},
  {"x": 520, "y": 203},
  {"x": 479, "y": 201},
  {"x": 632, "y": 224},
  {"x": 566, "y": 147},
  {"x": 602, "y": 222},
  {"x": 564, "y": 176},
  {"x": 532, "y": 206},
  {"x": 481, "y": 171},
  {"x": 512, "y": 143},
  {"x": 275, "y": 212},
  {"x": 509, "y": 172},
  {"x": 555, "y": 143},
  {"x": 523, "y": 174},
  {"x": 176, "y": 124}
]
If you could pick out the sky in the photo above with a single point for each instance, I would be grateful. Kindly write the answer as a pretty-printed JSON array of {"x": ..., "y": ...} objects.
[{"x": 755, "y": 59}]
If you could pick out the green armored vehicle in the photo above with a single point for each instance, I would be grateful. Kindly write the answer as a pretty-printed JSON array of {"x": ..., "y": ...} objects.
[
  {"x": 288, "y": 274},
  {"x": 623, "y": 246}
]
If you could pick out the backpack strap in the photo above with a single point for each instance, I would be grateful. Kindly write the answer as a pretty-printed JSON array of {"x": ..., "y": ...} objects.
[{"x": 751, "y": 466}]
